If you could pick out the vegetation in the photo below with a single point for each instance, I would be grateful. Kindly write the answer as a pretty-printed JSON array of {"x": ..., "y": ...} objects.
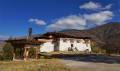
[
  {"x": 7, "y": 52},
  {"x": 32, "y": 52},
  {"x": 96, "y": 49},
  {"x": 39, "y": 65}
]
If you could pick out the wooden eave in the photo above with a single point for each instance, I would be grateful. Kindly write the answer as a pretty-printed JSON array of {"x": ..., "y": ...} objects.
[{"x": 24, "y": 41}]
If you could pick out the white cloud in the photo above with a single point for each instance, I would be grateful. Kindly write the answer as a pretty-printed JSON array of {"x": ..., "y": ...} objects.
[
  {"x": 37, "y": 21},
  {"x": 90, "y": 5},
  {"x": 95, "y": 6},
  {"x": 99, "y": 18},
  {"x": 69, "y": 22},
  {"x": 80, "y": 21},
  {"x": 108, "y": 6}
]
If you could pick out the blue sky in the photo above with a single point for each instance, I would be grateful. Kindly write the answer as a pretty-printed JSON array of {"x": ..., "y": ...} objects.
[{"x": 54, "y": 15}]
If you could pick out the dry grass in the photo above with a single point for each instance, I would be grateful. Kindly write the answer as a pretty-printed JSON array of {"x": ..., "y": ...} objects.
[
  {"x": 67, "y": 52},
  {"x": 39, "y": 65}
]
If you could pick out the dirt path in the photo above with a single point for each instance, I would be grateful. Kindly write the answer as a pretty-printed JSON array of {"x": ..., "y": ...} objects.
[{"x": 76, "y": 65}]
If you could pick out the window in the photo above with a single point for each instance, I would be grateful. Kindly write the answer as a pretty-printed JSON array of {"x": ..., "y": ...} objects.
[
  {"x": 78, "y": 41},
  {"x": 71, "y": 45}
]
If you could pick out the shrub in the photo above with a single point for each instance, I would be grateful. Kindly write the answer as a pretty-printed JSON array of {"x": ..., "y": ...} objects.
[
  {"x": 8, "y": 51},
  {"x": 1, "y": 57},
  {"x": 96, "y": 49},
  {"x": 32, "y": 52}
]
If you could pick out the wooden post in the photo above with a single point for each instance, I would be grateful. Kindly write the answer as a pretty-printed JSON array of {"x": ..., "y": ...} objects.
[
  {"x": 14, "y": 53},
  {"x": 26, "y": 53},
  {"x": 36, "y": 53}
]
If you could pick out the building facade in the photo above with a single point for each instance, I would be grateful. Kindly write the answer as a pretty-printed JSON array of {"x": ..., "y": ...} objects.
[{"x": 66, "y": 44}]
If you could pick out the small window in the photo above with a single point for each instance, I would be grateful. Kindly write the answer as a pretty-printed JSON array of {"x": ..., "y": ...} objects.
[
  {"x": 78, "y": 41},
  {"x": 71, "y": 45},
  {"x": 64, "y": 40}
]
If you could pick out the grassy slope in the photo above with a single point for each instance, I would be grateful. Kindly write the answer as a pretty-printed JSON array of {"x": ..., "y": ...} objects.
[{"x": 39, "y": 65}]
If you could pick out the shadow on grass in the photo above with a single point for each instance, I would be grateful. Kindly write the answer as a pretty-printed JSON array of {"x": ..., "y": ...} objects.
[{"x": 97, "y": 58}]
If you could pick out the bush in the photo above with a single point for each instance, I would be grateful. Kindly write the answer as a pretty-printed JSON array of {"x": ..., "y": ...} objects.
[
  {"x": 1, "y": 57},
  {"x": 8, "y": 51},
  {"x": 96, "y": 49},
  {"x": 32, "y": 52}
]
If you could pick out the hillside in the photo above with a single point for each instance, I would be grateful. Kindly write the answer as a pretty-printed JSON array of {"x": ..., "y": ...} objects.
[
  {"x": 108, "y": 34},
  {"x": 105, "y": 32}
]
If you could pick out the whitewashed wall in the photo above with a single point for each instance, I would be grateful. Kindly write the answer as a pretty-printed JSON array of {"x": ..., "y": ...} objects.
[
  {"x": 47, "y": 47},
  {"x": 81, "y": 46},
  {"x": 63, "y": 46}
]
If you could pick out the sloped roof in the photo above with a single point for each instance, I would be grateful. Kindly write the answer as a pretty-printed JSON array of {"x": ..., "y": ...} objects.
[
  {"x": 76, "y": 33},
  {"x": 69, "y": 34}
]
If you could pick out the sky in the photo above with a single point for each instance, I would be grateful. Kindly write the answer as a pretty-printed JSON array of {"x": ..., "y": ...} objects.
[{"x": 16, "y": 16}]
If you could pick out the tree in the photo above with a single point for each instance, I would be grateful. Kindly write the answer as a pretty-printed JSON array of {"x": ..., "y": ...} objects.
[{"x": 8, "y": 51}]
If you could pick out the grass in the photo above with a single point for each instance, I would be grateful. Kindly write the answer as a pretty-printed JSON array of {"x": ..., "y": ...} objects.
[{"x": 38, "y": 65}]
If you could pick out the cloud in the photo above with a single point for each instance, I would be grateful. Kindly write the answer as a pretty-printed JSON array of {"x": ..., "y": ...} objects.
[
  {"x": 95, "y": 6},
  {"x": 108, "y": 6},
  {"x": 69, "y": 22},
  {"x": 99, "y": 18},
  {"x": 90, "y": 5},
  {"x": 37, "y": 21},
  {"x": 80, "y": 21}
]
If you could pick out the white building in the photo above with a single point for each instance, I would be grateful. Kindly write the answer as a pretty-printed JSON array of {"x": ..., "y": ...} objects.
[
  {"x": 64, "y": 42},
  {"x": 50, "y": 42}
]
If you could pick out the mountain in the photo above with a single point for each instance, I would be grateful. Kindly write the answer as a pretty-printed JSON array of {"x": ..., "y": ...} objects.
[
  {"x": 106, "y": 31},
  {"x": 109, "y": 34}
]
